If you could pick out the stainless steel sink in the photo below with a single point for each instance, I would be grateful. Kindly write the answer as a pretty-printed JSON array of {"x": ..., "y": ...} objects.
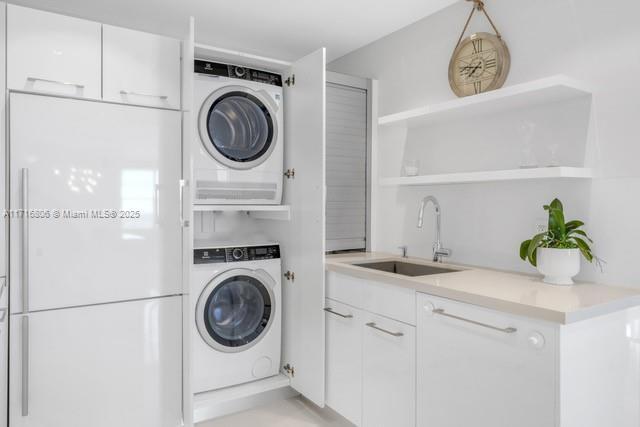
[{"x": 406, "y": 268}]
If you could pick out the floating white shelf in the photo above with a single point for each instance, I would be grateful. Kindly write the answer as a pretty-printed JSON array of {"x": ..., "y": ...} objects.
[
  {"x": 490, "y": 176},
  {"x": 203, "y": 51},
  {"x": 538, "y": 92},
  {"x": 277, "y": 212}
]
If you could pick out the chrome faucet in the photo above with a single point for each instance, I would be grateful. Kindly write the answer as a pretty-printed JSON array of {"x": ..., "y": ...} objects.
[{"x": 438, "y": 251}]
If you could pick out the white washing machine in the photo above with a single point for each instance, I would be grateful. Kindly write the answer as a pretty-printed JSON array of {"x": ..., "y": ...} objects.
[
  {"x": 236, "y": 292},
  {"x": 238, "y": 146}
]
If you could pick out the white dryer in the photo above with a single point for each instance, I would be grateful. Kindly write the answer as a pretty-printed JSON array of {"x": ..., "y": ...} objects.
[
  {"x": 238, "y": 145},
  {"x": 236, "y": 294}
]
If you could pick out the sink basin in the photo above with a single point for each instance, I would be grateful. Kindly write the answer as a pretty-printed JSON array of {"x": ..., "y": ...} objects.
[{"x": 406, "y": 268}]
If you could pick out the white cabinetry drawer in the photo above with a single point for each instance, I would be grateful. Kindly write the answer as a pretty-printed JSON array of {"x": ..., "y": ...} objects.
[
  {"x": 387, "y": 300},
  {"x": 47, "y": 52}
]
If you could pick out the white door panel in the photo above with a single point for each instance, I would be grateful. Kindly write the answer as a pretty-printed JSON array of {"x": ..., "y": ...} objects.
[
  {"x": 344, "y": 360},
  {"x": 54, "y": 53},
  {"x": 302, "y": 238},
  {"x": 101, "y": 366},
  {"x": 83, "y": 156},
  {"x": 141, "y": 68},
  {"x": 388, "y": 373},
  {"x": 503, "y": 378}
]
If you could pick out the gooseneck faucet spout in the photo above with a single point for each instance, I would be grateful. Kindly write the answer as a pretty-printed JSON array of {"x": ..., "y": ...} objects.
[{"x": 438, "y": 251}]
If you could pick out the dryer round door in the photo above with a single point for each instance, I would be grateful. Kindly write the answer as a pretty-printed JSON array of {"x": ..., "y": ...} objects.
[
  {"x": 238, "y": 126},
  {"x": 236, "y": 309}
]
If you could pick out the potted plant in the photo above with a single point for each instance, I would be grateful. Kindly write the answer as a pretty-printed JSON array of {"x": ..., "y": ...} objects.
[{"x": 556, "y": 252}]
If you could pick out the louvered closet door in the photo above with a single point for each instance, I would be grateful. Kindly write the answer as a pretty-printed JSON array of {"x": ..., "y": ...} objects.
[{"x": 346, "y": 167}]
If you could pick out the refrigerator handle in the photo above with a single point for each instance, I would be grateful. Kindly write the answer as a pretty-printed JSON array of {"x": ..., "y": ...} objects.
[
  {"x": 25, "y": 366},
  {"x": 25, "y": 240}
]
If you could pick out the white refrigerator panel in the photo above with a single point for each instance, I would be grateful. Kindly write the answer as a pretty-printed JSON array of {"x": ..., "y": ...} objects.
[
  {"x": 101, "y": 366},
  {"x": 83, "y": 158}
]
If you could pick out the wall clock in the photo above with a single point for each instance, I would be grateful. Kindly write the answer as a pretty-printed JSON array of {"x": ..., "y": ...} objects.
[{"x": 480, "y": 62}]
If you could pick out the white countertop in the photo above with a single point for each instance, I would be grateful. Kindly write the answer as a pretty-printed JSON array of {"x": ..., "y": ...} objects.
[{"x": 514, "y": 293}]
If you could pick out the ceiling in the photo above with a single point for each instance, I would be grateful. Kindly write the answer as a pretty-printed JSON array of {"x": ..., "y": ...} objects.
[{"x": 281, "y": 29}]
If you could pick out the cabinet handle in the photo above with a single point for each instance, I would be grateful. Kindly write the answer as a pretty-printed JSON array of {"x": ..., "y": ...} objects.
[
  {"x": 373, "y": 325},
  {"x": 148, "y": 95},
  {"x": 38, "y": 79},
  {"x": 330, "y": 310},
  {"x": 183, "y": 222},
  {"x": 25, "y": 366},
  {"x": 25, "y": 240},
  {"x": 441, "y": 312}
]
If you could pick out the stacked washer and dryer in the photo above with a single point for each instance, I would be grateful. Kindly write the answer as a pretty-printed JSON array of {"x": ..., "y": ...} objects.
[{"x": 236, "y": 286}]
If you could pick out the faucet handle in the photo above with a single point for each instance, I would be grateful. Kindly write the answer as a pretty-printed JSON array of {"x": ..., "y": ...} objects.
[
  {"x": 439, "y": 253},
  {"x": 404, "y": 250}
]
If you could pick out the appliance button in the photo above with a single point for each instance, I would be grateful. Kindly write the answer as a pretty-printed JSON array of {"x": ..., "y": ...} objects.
[{"x": 239, "y": 71}]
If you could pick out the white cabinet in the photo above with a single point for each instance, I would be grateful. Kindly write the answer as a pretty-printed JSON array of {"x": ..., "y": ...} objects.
[
  {"x": 371, "y": 358},
  {"x": 477, "y": 367},
  {"x": 344, "y": 360},
  {"x": 88, "y": 366},
  {"x": 53, "y": 53},
  {"x": 140, "y": 68},
  {"x": 388, "y": 373}
]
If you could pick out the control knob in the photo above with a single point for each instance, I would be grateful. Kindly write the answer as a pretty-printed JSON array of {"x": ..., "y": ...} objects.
[
  {"x": 237, "y": 253},
  {"x": 239, "y": 71}
]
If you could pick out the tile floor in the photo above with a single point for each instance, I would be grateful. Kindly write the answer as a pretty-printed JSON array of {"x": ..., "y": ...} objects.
[{"x": 294, "y": 412}]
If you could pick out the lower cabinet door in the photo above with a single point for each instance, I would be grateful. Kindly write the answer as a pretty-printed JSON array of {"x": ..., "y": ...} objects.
[
  {"x": 482, "y": 368},
  {"x": 388, "y": 383},
  {"x": 101, "y": 366},
  {"x": 344, "y": 360}
]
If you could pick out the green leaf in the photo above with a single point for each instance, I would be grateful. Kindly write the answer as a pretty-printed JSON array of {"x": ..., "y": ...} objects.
[
  {"x": 584, "y": 248},
  {"x": 533, "y": 259},
  {"x": 535, "y": 243},
  {"x": 580, "y": 232},
  {"x": 556, "y": 223},
  {"x": 556, "y": 204},
  {"x": 524, "y": 246},
  {"x": 572, "y": 225}
]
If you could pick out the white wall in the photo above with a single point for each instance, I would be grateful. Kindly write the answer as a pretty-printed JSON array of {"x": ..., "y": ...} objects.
[{"x": 590, "y": 40}]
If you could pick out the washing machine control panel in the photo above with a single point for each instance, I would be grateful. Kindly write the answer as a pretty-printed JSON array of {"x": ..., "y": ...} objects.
[
  {"x": 235, "y": 254},
  {"x": 237, "y": 72}
]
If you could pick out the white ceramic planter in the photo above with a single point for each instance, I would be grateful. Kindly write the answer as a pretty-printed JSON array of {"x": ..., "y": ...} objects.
[{"x": 558, "y": 265}]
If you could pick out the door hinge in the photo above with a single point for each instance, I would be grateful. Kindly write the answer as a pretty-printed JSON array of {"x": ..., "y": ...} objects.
[
  {"x": 290, "y": 370},
  {"x": 290, "y": 275},
  {"x": 291, "y": 80},
  {"x": 290, "y": 173}
]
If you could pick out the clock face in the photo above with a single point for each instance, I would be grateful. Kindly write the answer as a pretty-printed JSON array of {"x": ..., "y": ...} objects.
[{"x": 479, "y": 64}]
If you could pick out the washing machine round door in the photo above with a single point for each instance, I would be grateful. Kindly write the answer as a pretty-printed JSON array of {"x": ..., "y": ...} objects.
[
  {"x": 236, "y": 309},
  {"x": 238, "y": 126}
]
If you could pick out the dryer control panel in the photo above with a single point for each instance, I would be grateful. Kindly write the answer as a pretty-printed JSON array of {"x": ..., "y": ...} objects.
[
  {"x": 237, "y": 72},
  {"x": 235, "y": 254}
]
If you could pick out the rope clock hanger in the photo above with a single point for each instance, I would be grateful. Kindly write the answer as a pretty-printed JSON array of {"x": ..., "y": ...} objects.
[{"x": 481, "y": 61}]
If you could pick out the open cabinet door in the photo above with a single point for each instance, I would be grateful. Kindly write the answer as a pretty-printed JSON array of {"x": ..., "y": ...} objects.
[{"x": 303, "y": 239}]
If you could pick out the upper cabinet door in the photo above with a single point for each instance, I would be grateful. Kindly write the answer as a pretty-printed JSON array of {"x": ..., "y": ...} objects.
[
  {"x": 141, "y": 68},
  {"x": 53, "y": 53},
  {"x": 302, "y": 238}
]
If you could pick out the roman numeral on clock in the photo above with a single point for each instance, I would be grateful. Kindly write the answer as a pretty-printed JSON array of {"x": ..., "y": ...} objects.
[
  {"x": 490, "y": 63},
  {"x": 477, "y": 45},
  {"x": 477, "y": 86}
]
